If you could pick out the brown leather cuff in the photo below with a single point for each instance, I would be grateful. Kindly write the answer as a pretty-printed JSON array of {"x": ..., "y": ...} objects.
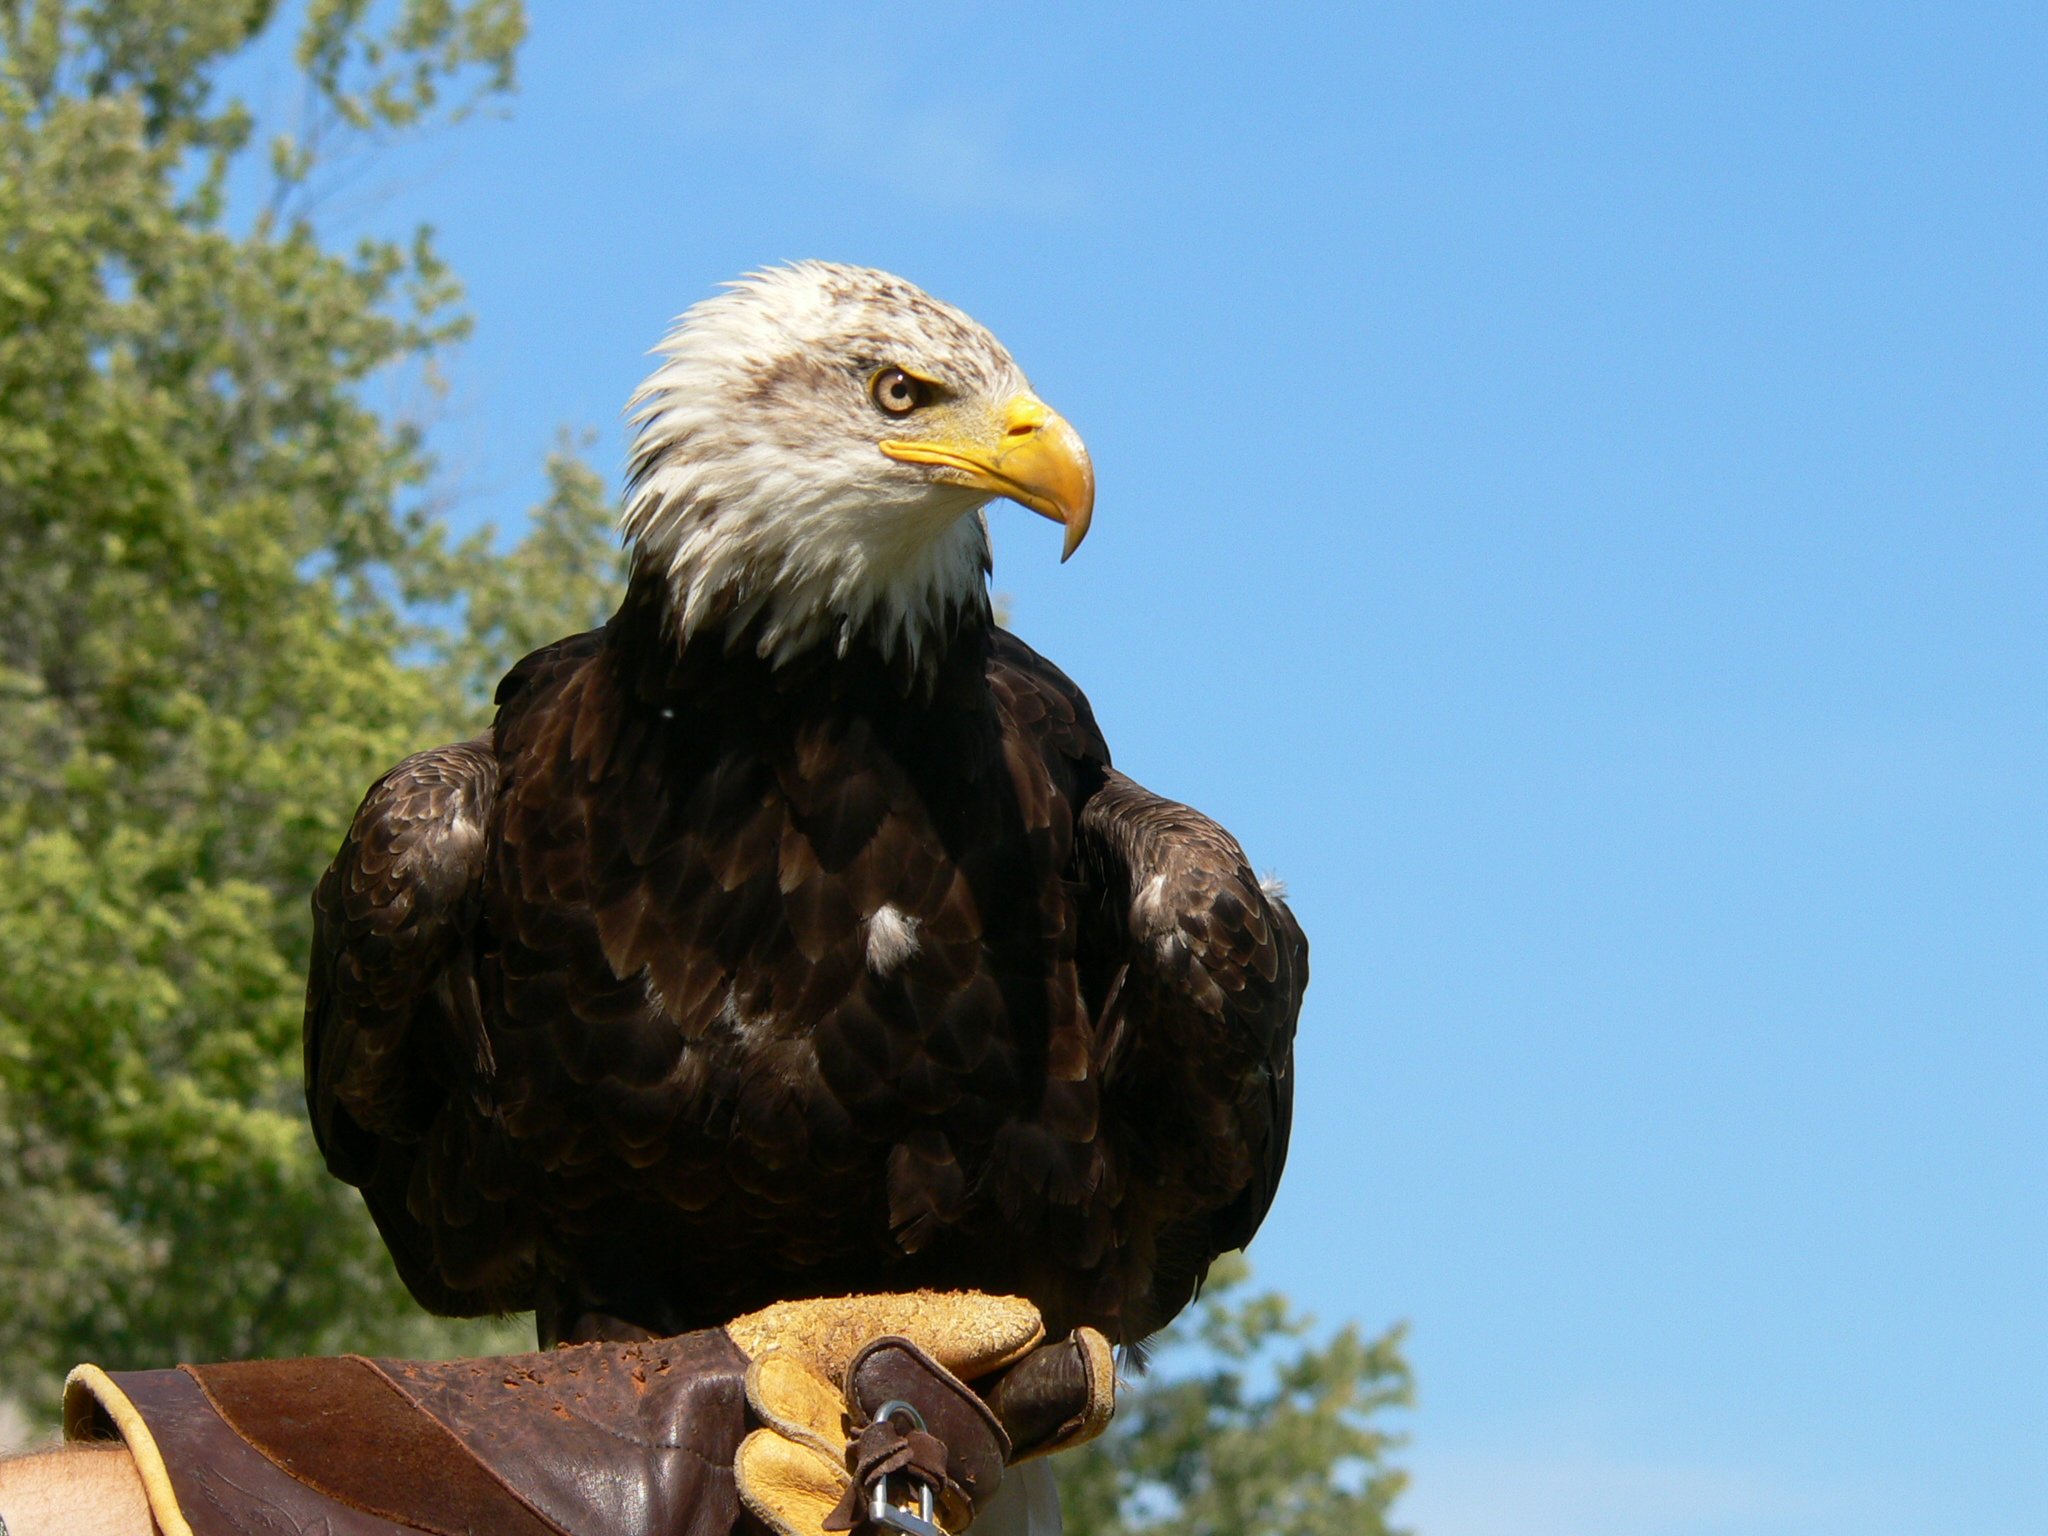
[{"x": 589, "y": 1440}]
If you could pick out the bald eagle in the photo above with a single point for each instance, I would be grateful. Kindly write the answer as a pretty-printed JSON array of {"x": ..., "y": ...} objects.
[{"x": 792, "y": 934}]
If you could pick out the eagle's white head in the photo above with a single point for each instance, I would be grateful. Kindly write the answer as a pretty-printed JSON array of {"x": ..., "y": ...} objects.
[{"x": 811, "y": 458}]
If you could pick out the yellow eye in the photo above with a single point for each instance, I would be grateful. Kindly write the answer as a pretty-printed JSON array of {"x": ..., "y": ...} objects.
[{"x": 897, "y": 392}]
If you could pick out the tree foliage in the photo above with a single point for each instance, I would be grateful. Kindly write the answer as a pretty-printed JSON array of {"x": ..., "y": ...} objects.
[
  {"x": 229, "y": 605},
  {"x": 1243, "y": 1429}
]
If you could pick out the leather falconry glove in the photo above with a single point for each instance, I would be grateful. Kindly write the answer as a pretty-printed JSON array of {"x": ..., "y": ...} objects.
[
  {"x": 796, "y": 1415},
  {"x": 866, "y": 1416}
]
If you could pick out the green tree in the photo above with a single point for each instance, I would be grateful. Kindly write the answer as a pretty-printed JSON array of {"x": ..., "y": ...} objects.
[
  {"x": 228, "y": 604},
  {"x": 1244, "y": 1429}
]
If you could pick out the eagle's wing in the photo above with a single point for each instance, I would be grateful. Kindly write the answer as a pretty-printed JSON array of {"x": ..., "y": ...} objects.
[
  {"x": 393, "y": 1025},
  {"x": 1195, "y": 971},
  {"x": 1195, "y": 1043}
]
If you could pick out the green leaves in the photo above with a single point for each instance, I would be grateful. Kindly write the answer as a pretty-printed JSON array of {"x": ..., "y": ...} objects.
[
  {"x": 1242, "y": 1429},
  {"x": 210, "y": 548},
  {"x": 564, "y": 576},
  {"x": 396, "y": 78}
]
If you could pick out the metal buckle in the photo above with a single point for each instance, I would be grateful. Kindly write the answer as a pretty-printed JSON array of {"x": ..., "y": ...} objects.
[{"x": 888, "y": 1513}]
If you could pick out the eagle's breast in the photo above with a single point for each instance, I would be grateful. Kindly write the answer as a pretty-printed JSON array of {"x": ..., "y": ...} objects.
[{"x": 789, "y": 949}]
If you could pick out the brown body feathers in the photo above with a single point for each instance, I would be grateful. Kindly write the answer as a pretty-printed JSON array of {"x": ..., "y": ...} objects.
[{"x": 699, "y": 983}]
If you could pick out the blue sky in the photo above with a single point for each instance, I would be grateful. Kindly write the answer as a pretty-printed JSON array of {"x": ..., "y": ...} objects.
[{"x": 1572, "y": 488}]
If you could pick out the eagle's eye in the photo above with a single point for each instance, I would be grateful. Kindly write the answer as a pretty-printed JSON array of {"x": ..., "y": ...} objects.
[{"x": 897, "y": 392}]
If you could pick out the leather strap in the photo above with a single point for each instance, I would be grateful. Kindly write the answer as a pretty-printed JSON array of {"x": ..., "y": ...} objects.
[{"x": 885, "y": 1447}]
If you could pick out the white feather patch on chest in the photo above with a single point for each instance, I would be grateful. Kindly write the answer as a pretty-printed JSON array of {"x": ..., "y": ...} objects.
[{"x": 892, "y": 939}]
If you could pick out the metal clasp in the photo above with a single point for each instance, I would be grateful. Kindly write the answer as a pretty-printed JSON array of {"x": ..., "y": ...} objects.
[
  {"x": 884, "y": 1513},
  {"x": 887, "y": 1512}
]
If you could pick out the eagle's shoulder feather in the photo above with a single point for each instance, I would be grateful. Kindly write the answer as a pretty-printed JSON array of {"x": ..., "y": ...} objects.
[{"x": 1041, "y": 700}]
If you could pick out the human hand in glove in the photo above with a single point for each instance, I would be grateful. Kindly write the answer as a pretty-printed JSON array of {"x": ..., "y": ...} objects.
[{"x": 903, "y": 1410}]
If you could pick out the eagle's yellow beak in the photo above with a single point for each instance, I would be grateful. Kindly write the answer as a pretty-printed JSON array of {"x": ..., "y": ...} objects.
[{"x": 1037, "y": 460}]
